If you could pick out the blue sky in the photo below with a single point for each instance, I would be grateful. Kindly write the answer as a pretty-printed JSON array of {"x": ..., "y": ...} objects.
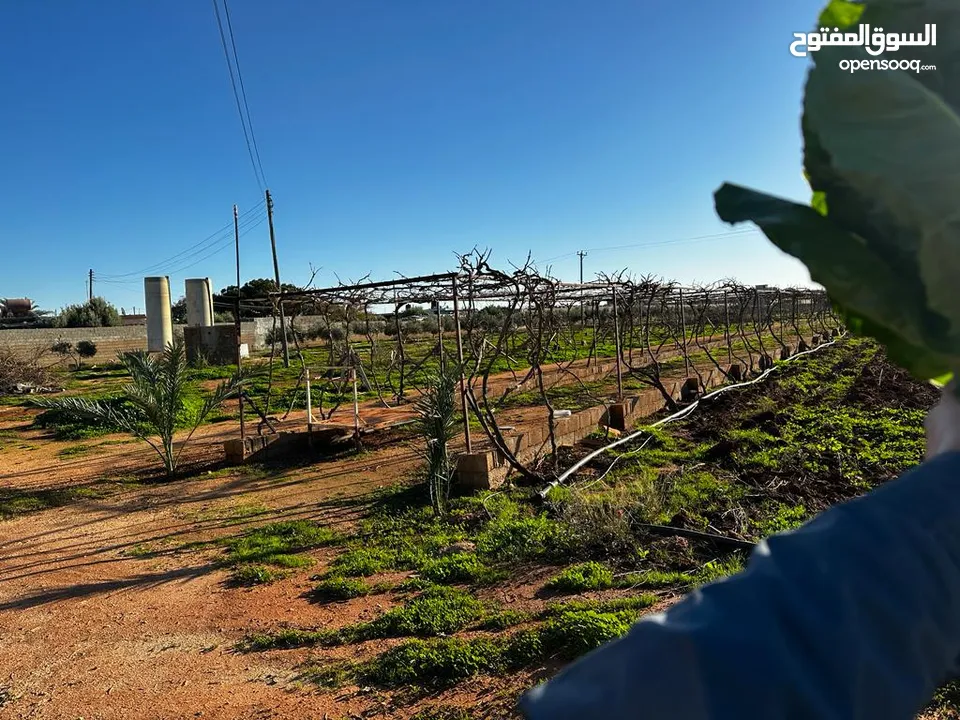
[{"x": 392, "y": 134}]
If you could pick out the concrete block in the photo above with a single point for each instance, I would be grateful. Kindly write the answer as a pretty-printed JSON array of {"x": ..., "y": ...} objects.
[
  {"x": 617, "y": 416},
  {"x": 479, "y": 471},
  {"x": 690, "y": 389}
]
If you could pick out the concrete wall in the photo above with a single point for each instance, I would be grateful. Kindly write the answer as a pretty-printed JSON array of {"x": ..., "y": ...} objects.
[
  {"x": 109, "y": 341},
  {"x": 488, "y": 468}
]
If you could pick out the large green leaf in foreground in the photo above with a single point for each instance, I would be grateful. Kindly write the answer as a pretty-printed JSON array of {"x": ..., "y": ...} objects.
[{"x": 882, "y": 155}]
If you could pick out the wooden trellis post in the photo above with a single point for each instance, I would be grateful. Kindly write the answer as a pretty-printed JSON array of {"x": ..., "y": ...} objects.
[{"x": 463, "y": 388}]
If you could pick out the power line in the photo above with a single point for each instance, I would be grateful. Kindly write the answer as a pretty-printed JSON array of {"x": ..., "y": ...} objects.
[
  {"x": 261, "y": 181},
  {"x": 677, "y": 241},
  {"x": 243, "y": 92},
  {"x": 215, "y": 249},
  {"x": 204, "y": 244}
]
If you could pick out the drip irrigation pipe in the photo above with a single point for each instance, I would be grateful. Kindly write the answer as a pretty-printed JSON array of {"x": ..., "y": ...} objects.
[{"x": 569, "y": 472}]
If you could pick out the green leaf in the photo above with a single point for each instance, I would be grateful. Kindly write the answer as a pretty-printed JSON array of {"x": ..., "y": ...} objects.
[
  {"x": 855, "y": 278},
  {"x": 841, "y": 14},
  {"x": 861, "y": 120}
]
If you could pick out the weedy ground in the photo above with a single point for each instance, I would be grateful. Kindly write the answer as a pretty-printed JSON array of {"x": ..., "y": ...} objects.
[
  {"x": 505, "y": 586},
  {"x": 375, "y": 606}
]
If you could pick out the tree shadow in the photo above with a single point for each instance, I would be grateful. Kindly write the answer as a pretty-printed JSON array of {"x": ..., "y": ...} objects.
[{"x": 139, "y": 581}]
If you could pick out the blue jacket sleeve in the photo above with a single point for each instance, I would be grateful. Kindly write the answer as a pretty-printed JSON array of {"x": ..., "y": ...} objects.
[{"x": 854, "y": 615}]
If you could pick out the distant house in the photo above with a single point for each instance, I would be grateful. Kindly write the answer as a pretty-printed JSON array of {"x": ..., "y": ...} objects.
[{"x": 133, "y": 319}]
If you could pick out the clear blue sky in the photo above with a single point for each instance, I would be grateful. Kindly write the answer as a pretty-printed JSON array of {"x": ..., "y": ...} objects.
[{"x": 392, "y": 134}]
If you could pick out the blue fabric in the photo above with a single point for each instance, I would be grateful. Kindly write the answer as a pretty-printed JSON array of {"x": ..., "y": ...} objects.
[{"x": 856, "y": 615}]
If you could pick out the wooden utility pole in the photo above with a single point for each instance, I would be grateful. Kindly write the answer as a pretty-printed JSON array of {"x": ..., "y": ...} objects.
[
  {"x": 236, "y": 240},
  {"x": 276, "y": 273},
  {"x": 90, "y": 287},
  {"x": 582, "y": 255}
]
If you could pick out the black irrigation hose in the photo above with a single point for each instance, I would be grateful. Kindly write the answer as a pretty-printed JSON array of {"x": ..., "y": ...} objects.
[
  {"x": 697, "y": 535},
  {"x": 569, "y": 472}
]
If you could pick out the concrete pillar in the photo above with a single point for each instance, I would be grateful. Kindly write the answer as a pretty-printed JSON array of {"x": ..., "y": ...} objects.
[
  {"x": 159, "y": 324},
  {"x": 199, "y": 302}
]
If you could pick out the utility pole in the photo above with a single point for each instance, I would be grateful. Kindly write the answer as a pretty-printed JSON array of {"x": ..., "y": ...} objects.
[
  {"x": 582, "y": 255},
  {"x": 90, "y": 287},
  {"x": 276, "y": 273},
  {"x": 236, "y": 240}
]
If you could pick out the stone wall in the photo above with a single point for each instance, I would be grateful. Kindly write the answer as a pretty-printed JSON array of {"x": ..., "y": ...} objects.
[{"x": 109, "y": 340}]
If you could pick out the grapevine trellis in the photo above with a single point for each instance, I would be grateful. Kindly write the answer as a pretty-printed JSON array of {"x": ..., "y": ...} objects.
[{"x": 506, "y": 331}]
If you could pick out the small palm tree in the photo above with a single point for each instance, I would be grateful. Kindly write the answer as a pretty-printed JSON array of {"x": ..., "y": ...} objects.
[
  {"x": 154, "y": 399},
  {"x": 437, "y": 423}
]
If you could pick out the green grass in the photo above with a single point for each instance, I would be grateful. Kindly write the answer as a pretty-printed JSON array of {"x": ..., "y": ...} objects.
[
  {"x": 74, "y": 450},
  {"x": 15, "y": 502},
  {"x": 443, "y": 712},
  {"x": 582, "y": 577},
  {"x": 334, "y": 589},
  {"x": 458, "y": 568},
  {"x": 269, "y": 553},
  {"x": 572, "y": 633},
  {"x": 437, "y": 611},
  {"x": 249, "y": 574},
  {"x": 437, "y": 663},
  {"x": 362, "y": 562},
  {"x": 276, "y": 542},
  {"x": 286, "y": 639}
]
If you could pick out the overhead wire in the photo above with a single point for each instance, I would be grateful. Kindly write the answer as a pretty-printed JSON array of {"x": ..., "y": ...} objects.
[
  {"x": 220, "y": 239},
  {"x": 244, "y": 121},
  {"x": 243, "y": 91},
  {"x": 211, "y": 239},
  {"x": 676, "y": 241}
]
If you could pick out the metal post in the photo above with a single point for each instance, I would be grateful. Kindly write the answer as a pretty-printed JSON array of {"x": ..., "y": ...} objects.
[
  {"x": 236, "y": 241},
  {"x": 726, "y": 328},
  {"x": 463, "y": 388},
  {"x": 683, "y": 334},
  {"x": 276, "y": 274},
  {"x": 356, "y": 408},
  {"x": 616, "y": 340},
  {"x": 309, "y": 403},
  {"x": 440, "y": 335},
  {"x": 582, "y": 255}
]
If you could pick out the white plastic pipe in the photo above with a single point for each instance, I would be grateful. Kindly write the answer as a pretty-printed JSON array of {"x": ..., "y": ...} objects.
[{"x": 676, "y": 416}]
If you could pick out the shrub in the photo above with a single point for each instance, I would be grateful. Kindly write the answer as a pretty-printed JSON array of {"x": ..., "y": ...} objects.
[
  {"x": 576, "y": 632},
  {"x": 455, "y": 568},
  {"x": 579, "y": 578},
  {"x": 437, "y": 611},
  {"x": 362, "y": 562},
  {"x": 435, "y": 663},
  {"x": 335, "y": 589},
  {"x": 514, "y": 539},
  {"x": 86, "y": 349},
  {"x": 523, "y": 649},
  {"x": 95, "y": 313}
]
